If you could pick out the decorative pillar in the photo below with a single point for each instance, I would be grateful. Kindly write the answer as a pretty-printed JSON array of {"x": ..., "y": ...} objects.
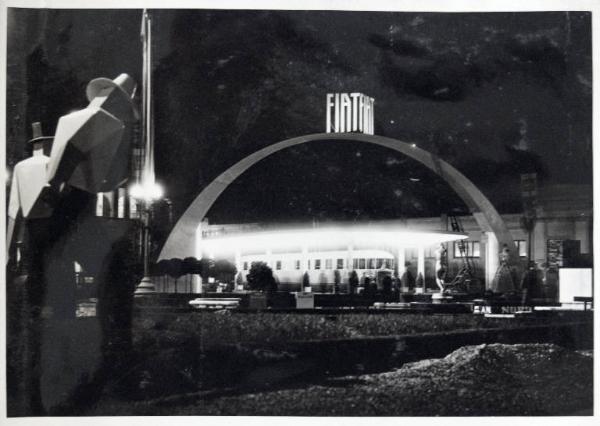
[
  {"x": 492, "y": 261},
  {"x": 421, "y": 261},
  {"x": 350, "y": 258},
  {"x": 304, "y": 263},
  {"x": 401, "y": 262},
  {"x": 238, "y": 260}
]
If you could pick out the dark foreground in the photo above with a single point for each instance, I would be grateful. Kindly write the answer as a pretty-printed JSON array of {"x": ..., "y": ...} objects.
[{"x": 483, "y": 380}]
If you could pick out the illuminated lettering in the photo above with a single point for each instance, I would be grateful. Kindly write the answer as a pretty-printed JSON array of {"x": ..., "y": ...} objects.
[{"x": 351, "y": 112}]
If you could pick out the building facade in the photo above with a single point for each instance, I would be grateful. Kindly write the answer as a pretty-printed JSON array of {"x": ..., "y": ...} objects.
[{"x": 561, "y": 238}]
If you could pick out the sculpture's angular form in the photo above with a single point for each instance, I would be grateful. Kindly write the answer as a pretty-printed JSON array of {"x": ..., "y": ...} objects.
[
  {"x": 30, "y": 192},
  {"x": 89, "y": 151}
]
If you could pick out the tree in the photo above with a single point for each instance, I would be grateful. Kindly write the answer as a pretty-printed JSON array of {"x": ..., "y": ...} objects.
[
  {"x": 190, "y": 266},
  {"x": 420, "y": 281},
  {"x": 224, "y": 271},
  {"x": 261, "y": 277},
  {"x": 305, "y": 280},
  {"x": 353, "y": 282},
  {"x": 407, "y": 279},
  {"x": 386, "y": 285},
  {"x": 337, "y": 278},
  {"x": 175, "y": 269},
  {"x": 240, "y": 279}
]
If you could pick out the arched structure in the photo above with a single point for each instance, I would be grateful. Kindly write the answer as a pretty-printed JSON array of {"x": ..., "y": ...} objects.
[{"x": 180, "y": 242}]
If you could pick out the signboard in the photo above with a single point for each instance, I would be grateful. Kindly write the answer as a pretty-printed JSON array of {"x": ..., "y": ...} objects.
[{"x": 349, "y": 112}]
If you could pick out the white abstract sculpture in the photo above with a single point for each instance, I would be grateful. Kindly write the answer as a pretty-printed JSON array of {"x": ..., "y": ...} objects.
[
  {"x": 31, "y": 197},
  {"x": 91, "y": 147}
]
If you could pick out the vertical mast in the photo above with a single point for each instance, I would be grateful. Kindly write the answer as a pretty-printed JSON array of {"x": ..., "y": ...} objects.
[{"x": 148, "y": 176}]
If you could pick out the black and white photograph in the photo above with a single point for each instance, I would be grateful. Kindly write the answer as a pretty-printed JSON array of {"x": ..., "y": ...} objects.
[{"x": 319, "y": 210}]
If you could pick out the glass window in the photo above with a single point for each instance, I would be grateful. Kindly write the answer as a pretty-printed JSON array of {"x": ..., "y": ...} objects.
[
  {"x": 361, "y": 263},
  {"x": 329, "y": 264},
  {"x": 245, "y": 266},
  {"x": 317, "y": 263},
  {"x": 354, "y": 263},
  {"x": 471, "y": 248},
  {"x": 297, "y": 264},
  {"x": 340, "y": 264},
  {"x": 278, "y": 265}
]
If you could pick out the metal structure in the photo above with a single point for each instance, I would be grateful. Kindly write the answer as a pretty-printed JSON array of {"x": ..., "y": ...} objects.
[
  {"x": 181, "y": 241},
  {"x": 146, "y": 191},
  {"x": 466, "y": 273}
]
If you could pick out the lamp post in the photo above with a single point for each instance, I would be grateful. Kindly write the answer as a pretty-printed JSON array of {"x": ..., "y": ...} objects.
[
  {"x": 147, "y": 190},
  {"x": 146, "y": 194}
]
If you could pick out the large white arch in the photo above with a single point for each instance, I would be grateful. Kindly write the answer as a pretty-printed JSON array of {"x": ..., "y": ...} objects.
[{"x": 181, "y": 241}]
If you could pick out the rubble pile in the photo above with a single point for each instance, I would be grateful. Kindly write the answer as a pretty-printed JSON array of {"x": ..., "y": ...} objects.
[{"x": 483, "y": 380}]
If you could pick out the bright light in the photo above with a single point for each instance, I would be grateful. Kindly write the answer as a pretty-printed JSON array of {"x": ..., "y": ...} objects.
[
  {"x": 320, "y": 238},
  {"x": 147, "y": 191}
]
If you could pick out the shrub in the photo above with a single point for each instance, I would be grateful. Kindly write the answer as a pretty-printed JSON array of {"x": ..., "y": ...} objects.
[
  {"x": 408, "y": 279},
  {"x": 386, "y": 285},
  {"x": 261, "y": 278},
  {"x": 420, "y": 281},
  {"x": 305, "y": 280},
  {"x": 353, "y": 282},
  {"x": 337, "y": 278}
]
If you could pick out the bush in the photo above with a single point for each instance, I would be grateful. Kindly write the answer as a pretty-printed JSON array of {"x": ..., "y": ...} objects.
[
  {"x": 337, "y": 278},
  {"x": 305, "y": 280},
  {"x": 386, "y": 285},
  {"x": 420, "y": 281},
  {"x": 353, "y": 282},
  {"x": 408, "y": 280},
  {"x": 261, "y": 278}
]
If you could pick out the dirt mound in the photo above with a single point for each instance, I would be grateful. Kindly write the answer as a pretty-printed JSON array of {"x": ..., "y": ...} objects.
[{"x": 483, "y": 380}]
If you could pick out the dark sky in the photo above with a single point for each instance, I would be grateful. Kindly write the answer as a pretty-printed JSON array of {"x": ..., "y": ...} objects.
[{"x": 467, "y": 86}]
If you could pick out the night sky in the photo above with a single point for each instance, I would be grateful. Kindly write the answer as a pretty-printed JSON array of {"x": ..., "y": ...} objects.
[{"x": 471, "y": 87}]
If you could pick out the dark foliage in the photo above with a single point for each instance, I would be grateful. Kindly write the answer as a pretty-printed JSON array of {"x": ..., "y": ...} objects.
[{"x": 260, "y": 277}]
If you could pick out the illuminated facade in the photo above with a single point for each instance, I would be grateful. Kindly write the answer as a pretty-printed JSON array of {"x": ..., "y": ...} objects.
[
  {"x": 371, "y": 250},
  {"x": 562, "y": 236}
]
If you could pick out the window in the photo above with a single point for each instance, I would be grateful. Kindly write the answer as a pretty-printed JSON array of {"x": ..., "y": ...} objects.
[
  {"x": 278, "y": 265},
  {"x": 297, "y": 264},
  {"x": 361, "y": 263},
  {"x": 317, "y": 263},
  {"x": 389, "y": 263},
  {"x": 329, "y": 264},
  {"x": 471, "y": 249},
  {"x": 522, "y": 245},
  {"x": 245, "y": 266},
  {"x": 340, "y": 264},
  {"x": 371, "y": 263}
]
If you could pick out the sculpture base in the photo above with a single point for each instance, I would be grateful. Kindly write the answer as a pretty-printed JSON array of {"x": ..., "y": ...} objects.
[{"x": 145, "y": 288}]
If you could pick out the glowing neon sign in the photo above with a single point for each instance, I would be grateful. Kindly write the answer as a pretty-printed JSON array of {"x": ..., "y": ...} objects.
[{"x": 349, "y": 112}]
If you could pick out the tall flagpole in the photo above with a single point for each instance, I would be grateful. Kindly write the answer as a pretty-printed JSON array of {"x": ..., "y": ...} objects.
[{"x": 147, "y": 190}]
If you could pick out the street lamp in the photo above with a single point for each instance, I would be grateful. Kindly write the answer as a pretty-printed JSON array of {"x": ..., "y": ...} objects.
[{"x": 146, "y": 193}]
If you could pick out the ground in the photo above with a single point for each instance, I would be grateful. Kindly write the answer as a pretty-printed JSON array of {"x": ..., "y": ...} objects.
[{"x": 495, "y": 379}]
